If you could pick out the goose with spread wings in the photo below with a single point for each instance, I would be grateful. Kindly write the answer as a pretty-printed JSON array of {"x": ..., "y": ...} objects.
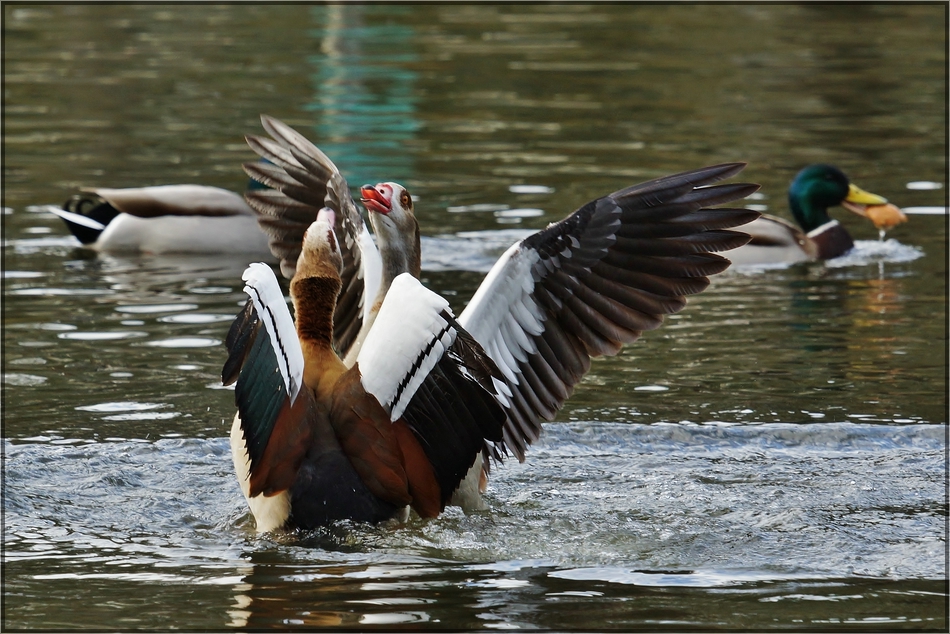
[
  {"x": 313, "y": 441},
  {"x": 589, "y": 284},
  {"x": 625, "y": 259}
]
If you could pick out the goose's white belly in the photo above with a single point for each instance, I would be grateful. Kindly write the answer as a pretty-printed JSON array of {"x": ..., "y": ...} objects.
[{"x": 270, "y": 513}]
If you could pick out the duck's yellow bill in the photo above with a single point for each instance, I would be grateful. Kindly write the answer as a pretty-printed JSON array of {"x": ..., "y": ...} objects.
[
  {"x": 861, "y": 197},
  {"x": 858, "y": 200}
]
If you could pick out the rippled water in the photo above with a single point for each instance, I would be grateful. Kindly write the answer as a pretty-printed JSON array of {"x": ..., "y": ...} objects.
[{"x": 774, "y": 457}]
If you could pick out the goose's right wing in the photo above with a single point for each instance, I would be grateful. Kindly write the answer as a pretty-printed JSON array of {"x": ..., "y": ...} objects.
[
  {"x": 302, "y": 180},
  {"x": 589, "y": 284}
]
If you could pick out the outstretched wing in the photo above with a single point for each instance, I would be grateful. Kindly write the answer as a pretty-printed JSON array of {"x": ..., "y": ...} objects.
[
  {"x": 431, "y": 375},
  {"x": 265, "y": 358},
  {"x": 303, "y": 180},
  {"x": 589, "y": 284}
]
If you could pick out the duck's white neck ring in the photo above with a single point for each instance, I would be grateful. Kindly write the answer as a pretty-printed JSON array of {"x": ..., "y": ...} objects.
[{"x": 820, "y": 230}]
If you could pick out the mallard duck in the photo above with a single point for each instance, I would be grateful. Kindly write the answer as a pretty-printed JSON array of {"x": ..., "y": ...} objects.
[
  {"x": 164, "y": 219},
  {"x": 581, "y": 288},
  {"x": 817, "y": 236}
]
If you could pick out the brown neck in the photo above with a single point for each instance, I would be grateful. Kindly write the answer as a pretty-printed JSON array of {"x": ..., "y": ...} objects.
[{"x": 314, "y": 301}]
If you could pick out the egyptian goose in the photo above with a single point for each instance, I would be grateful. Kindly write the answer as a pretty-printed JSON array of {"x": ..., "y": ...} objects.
[
  {"x": 585, "y": 286},
  {"x": 669, "y": 209},
  {"x": 816, "y": 237},
  {"x": 164, "y": 219},
  {"x": 301, "y": 179},
  {"x": 315, "y": 441}
]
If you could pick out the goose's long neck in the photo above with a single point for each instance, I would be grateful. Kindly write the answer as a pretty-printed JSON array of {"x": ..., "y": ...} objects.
[
  {"x": 397, "y": 259},
  {"x": 314, "y": 301},
  {"x": 405, "y": 257},
  {"x": 400, "y": 253}
]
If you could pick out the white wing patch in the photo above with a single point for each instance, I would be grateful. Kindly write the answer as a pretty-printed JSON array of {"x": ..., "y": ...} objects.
[
  {"x": 262, "y": 287},
  {"x": 503, "y": 315},
  {"x": 78, "y": 219},
  {"x": 406, "y": 341}
]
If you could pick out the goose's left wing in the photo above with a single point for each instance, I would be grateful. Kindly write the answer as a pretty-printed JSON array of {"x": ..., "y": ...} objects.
[
  {"x": 274, "y": 406},
  {"x": 302, "y": 180},
  {"x": 596, "y": 280}
]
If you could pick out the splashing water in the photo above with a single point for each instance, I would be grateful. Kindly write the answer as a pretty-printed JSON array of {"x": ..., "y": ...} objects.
[{"x": 876, "y": 251}]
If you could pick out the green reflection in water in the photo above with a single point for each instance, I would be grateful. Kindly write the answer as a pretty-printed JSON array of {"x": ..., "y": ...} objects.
[{"x": 364, "y": 91}]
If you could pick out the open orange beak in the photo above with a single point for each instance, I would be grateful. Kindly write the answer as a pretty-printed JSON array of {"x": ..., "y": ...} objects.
[
  {"x": 375, "y": 200},
  {"x": 858, "y": 200}
]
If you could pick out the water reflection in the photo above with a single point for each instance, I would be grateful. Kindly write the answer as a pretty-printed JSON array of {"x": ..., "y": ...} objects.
[
  {"x": 514, "y": 594},
  {"x": 145, "y": 274},
  {"x": 364, "y": 91}
]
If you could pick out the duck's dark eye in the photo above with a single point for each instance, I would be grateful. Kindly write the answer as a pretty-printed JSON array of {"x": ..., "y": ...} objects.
[{"x": 405, "y": 200}]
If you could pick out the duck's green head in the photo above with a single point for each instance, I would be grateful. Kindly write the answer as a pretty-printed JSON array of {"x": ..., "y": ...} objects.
[{"x": 820, "y": 186}]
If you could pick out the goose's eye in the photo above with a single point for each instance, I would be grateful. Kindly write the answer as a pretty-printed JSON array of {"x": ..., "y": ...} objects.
[{"x": 405, "y": 200}]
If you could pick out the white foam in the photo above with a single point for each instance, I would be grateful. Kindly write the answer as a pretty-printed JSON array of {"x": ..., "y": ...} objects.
[{"x": 871, "y": 251}]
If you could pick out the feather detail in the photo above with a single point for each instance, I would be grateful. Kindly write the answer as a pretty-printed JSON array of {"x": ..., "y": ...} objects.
[
  {"x": 266, "y": 361},
  {"x": 303, "y": 180},
  {"x": 405, "y": 343},
  {"x": 423, "y": 486},
  {"x": 429, "y": 374},
  {"x": 366, "y": 436},
  {"x": 587, "y": 285},
  {"x": 264, "y": 292}
]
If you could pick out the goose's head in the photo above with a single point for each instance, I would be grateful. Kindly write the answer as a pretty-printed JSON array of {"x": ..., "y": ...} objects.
[
  {"x": 320, "y": 254},
  {"x": 393, "y": 221}
]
